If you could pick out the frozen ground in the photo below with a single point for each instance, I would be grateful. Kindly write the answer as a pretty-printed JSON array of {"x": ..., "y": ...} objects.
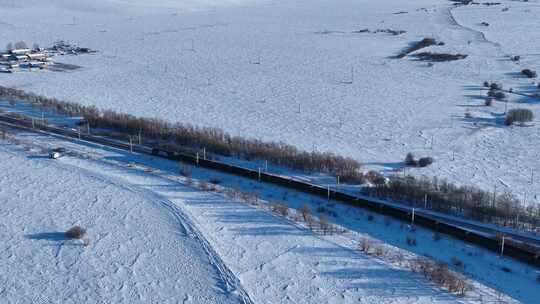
[
  {"x": 141, "y": 250},
  {"x": 274, "y": 259},
  {"x": 278, "y": 70}
]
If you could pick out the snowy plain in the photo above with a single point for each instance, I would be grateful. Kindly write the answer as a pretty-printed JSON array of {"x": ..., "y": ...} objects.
[
  {"x": 131, "y": 203},
  {"x": 280, "y": 70},
  {"x": 142, "y": 252}
]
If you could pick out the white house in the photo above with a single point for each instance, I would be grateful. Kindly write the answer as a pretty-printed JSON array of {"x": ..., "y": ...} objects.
[{"x": 20, "y": 51}]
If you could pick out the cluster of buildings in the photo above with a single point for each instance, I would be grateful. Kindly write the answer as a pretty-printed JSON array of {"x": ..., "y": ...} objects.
[{"x": 17, "y": 59}]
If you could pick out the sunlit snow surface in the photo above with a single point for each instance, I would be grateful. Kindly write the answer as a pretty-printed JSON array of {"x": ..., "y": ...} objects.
[{"x": 280, "y": 70}]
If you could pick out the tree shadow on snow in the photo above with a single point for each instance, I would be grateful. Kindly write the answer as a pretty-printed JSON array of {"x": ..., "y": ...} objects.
[
  {"x": 56, "y": 238},
  {"x": 48, "y": 236}
]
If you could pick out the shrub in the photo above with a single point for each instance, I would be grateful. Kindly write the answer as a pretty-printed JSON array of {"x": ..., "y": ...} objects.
[
  {"x": 370, "y": 218},
  {"x": 499, "y": 95},
  {"x": 410, "y": 160},
  {"x": 365, "y": 245},
  {"x": 489, "y": 102},
  {"x": 324, "y": 225},
  {"x": 495, "y": 86},
  {"x": 281, "y": 209},
  {"x": 380, "y": 251},
  {"x": 529, "y": 73},
  {"x": 375, "y": 177},
  {"x": 75, "y": 232},
  {"x": 304, "y": 211},
  {"x": 518, "y": 115},
  {"x": 439, "y": 57},
  {"x": 250, "y": 198},
  {"x": 439, "y": 273},
  {"x": 21, "y": 45},
  {"x": 425, "y": 161},
  {"x": 417, "y": 46},
  {"x": 206, "y": 186}
]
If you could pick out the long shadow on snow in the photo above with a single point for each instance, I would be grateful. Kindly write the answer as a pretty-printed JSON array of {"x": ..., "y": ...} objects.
[
  {"x": 56, "y": 238},
  {"x": 372, "y": 276},
  {"x": 48, "y": 236},
  {"x": 388, "y": 282}
]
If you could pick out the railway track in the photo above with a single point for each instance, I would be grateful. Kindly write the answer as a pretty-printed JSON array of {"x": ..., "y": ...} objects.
[{"x": 520, "y": 246}]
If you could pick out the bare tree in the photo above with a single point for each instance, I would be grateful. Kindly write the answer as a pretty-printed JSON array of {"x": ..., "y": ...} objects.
[
  {"x": 365, "y": 245},
  {"x": 304, "y": 211},
  {"x": 21, "y": 45}
]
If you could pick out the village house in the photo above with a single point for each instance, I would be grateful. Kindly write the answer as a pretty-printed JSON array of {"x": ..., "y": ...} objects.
[
  {"x": 20, "y": 51},
  {"x": 36, "y": 56}
]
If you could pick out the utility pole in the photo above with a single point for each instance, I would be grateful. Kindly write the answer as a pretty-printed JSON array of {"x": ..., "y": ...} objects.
[
  {"x": 502, "y": 246},
  {"x": 412, "y": 217},
  {"x": 328, "y": 193}
]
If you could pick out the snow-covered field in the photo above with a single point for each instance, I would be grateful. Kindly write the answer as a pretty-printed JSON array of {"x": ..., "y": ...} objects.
[
  {"x": 279, "y": 70},
  {"x": 276, "y": 70},
  {"x": 156, "y": 238},
  {"x": 140, "y": 251}
]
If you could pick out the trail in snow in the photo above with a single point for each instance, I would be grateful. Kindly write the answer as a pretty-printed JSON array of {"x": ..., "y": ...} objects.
[
  {"x": 137, "y": 252},
  {"x": 272, "y": 241}
]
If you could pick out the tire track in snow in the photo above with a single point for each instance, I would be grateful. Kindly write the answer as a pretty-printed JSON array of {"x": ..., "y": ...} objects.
[
  {"x": 479, "y": 34},
  {"x": 232, "y": 284}
]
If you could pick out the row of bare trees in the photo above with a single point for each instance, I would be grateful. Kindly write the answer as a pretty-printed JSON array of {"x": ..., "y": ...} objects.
[
  {"x": 438, "y": 195},
  {"x": 184, "y": 135},
  {"x": 465, "y": 201}
]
